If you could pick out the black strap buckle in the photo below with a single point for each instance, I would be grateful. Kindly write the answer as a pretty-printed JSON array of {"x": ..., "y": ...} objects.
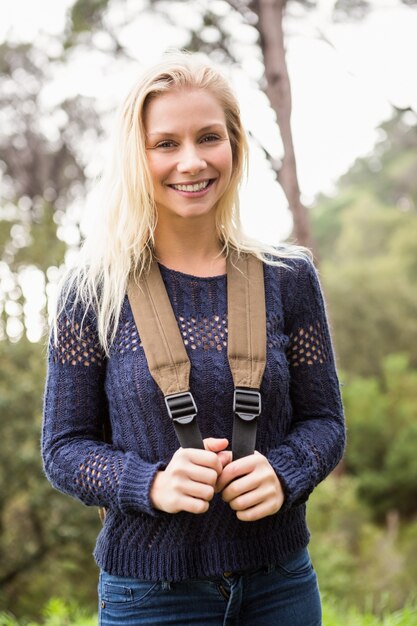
[
  {"x": 181, "y": 407},
  {"x": 247, "y": 404}
]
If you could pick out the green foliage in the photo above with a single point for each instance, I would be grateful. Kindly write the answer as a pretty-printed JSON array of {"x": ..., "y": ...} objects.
[
  {"x": 366, "y": 238},
  {"x": 370, "y": 282},
  {"x": 56, "y": 613},
  {"x": 382, "y": 424},
  {"x": 334, "y": 616},
  {"x": 360, "y": 564},
  {"x": 86, "y": 13},
  {"x": 43, "y": 248},
  {"x": 40, "y": 529},
  {"x": 389, "y": 172}
]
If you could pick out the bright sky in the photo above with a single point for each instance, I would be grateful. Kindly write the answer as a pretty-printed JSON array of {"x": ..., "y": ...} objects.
[{"x": 340, "y": 94}]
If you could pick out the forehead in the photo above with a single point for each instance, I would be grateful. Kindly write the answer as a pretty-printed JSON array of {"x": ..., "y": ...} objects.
[{"x": 185, "y": 108}]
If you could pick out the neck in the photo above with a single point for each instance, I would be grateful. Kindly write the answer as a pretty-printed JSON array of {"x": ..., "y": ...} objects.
[{"x": 190, "y": 248}]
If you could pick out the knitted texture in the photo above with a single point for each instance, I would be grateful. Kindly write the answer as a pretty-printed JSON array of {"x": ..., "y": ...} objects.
[{"x": 301, "y": 429}]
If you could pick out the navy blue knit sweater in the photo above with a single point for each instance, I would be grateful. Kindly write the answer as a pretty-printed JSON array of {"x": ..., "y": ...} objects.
[{"x": 300, "y": 431}]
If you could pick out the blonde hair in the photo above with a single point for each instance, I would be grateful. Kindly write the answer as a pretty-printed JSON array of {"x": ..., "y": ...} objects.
[{"x": 121, "y": 243}]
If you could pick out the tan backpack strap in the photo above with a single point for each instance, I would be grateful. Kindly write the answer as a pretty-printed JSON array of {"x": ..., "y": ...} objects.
[
  {"x": 246, "y": 314},
  {"x": 246, "y": 346},
  {"x": 165, "y": 353},
  {"x": 158, "y": 329}
]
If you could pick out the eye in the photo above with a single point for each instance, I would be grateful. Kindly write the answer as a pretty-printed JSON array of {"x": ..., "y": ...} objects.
[
  {"x": 167, "y": 143},
  {"x": 209, "y": 138}
]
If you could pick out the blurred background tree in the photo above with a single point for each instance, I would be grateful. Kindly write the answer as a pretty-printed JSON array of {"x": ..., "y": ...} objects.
[
  {"x": 42, "y": 174},
  {"x": 364, "y": 522},
  {"x": 367, "y": 237}
]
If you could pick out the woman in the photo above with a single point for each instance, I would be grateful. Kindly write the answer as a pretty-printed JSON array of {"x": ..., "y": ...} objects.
[{"x": 190, "y": 536}]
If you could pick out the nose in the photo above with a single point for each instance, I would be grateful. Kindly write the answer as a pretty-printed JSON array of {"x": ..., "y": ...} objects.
[{"x": 190, "y": 161}]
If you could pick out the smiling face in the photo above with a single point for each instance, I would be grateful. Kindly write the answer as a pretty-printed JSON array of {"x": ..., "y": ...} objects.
[{"x": 188, "y": 151}]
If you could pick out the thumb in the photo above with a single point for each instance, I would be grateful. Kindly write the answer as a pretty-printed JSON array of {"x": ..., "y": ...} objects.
[{"x": 215, "y": 445}]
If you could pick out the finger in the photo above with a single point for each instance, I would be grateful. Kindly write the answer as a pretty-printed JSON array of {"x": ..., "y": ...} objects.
[
  {"x": 194, "y": 505},
  {"x": 201, "y": 474},
  {"x": 198, "y": 490},
  {"x": 256, "y": 512},
  {"x": 225, "y": 457},
  {"x": 205, "y": 458},
  {"x": 247, "y": 500},
  {"x": 256, "y": 464},
  {"x": 234, "y": 470},
  {"x": 240, "y": 486},
  {"x": 215, "y": 445}
]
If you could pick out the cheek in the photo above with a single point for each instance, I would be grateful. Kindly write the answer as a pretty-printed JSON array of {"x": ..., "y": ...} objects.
[
  {"x": 157, "y": 167},
  {"x": 225, "y": 159}
]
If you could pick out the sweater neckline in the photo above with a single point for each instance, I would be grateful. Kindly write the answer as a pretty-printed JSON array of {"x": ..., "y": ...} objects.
[{"x": 168, "y": 270}]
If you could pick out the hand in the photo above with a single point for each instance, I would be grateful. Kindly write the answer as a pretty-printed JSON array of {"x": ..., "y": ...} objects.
[
  {"x": 251, "y": 487},
  {"x": 188, "y": 482}
]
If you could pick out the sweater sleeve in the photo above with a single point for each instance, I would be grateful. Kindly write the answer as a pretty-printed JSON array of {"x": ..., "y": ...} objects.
[
  {"x": 76, "y": 459},
  {"x": 316, "y": 440}
]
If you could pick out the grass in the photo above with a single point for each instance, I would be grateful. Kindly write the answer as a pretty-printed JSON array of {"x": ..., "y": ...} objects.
[
  {"x": 59, "y": 613},
  {"x": 334, "y": 616}
]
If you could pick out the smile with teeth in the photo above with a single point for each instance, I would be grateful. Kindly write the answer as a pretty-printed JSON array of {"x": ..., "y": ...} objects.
[{"x": 193, "y": 187}]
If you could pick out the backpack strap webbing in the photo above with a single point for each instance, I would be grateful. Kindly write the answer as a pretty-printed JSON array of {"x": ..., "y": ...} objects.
[
  {"x": 165, "y": 353},
  {"x": 168, "y": 360},
  {"x": 246, "y": 348}
]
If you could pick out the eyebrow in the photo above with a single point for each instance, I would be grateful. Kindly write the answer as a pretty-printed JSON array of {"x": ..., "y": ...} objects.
[{"x": 201, "y": 130}]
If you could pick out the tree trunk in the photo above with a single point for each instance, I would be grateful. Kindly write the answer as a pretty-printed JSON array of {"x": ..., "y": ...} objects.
[{"x": 270, "y": 15}]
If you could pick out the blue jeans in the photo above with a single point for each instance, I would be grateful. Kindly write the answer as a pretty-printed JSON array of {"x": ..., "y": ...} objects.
[{"x": 282, "y": 595}]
